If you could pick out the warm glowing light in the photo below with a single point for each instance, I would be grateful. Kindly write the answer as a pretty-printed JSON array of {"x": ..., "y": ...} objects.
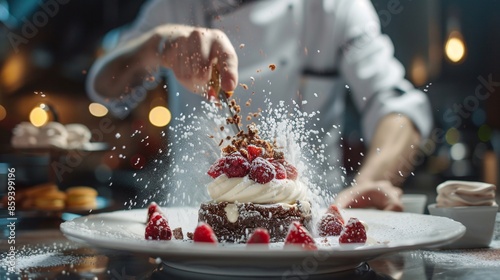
[
  {"x": 12, "y": 73},
  {"x": 455, "y": 48},
  {"x": 3, "y": 112},
  {"x": 38, "y": 116},
  {"x": 97, "y": 110},
  {"x": 160, "y": 116},
  {"x": 418, "y": 71}
]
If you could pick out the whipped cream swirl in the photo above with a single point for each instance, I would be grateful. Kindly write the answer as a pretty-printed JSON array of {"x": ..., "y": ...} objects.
[
  {"x": 244, "y": 190},
  {"x": 462, "y": 193}
]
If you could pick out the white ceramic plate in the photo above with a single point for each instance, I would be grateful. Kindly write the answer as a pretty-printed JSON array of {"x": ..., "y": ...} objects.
[{"x": 388, "y": 232}]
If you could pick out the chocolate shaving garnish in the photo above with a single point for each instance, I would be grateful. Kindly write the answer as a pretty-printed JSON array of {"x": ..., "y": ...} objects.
[
  {"x": 241, "y": 141},
  {"x": 279, "y": 155},
  {"x": 177, "y": 233}
]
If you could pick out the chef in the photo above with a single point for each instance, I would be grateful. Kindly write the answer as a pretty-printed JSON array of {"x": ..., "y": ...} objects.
[{"x": 322, "y": 50}]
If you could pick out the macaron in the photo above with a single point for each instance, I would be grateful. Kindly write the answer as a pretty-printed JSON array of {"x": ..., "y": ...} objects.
[
  {"x": 41, "y": 189},
  {"x": 81, "y": 197},
  {"x": 25, "y": 198},
  {"x": 54, "y": 200}
]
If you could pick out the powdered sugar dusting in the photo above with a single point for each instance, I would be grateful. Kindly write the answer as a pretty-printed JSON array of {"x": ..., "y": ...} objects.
[
  {"x": 470, "y": 258},
  {"x": 44, "y": 255},
  {"x": 195, "y": 140}
]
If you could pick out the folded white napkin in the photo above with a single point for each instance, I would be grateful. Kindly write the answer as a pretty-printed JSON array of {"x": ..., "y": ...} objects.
[{"x": 464, "y": 193}]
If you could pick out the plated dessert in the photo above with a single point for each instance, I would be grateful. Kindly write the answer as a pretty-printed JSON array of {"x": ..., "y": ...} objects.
[
  {"x": 256, "y": 196},
  {"x": 254, "y": 186},
  {"x": 331, "y": 225}
]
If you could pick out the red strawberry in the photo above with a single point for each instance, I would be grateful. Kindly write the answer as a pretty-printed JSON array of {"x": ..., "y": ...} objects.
[
  {"x": 261, "y": 171},
  {"x": 298, "y": 235},
  {"x": 235, "y": 165},
  {"x": 158, "y": 228},
  {"x": 204, "y": 233},
  {"x": 291, "y": 171},
  {"x": 329, "y": 225},
  {"x": 259, "y": 236},
  {"x": 334, "y": 210},
  {"x": 152, "y": 208},
  {"x": 254, "y": 152},
  {"x": 217, "y": 168},
  {"x": 280, "y": 169},
  {"x": 354, "y": 232}
]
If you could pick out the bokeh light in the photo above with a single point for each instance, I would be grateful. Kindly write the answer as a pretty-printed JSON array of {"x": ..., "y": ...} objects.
[
  {"x": 484, "y": 133},
  {"x": 455, "y": 48},
  {"x": 458, "y": 151},
  {"x": 3, "y": 112},
  {"x": 160, "y": 116},
  {"x": 479, "y": 117},
  {"x": 452, "y": 136},
  {"x": 38, "y": 116},
  {"x": 418, "y": 71},
  {"x": 98, "y": 110},
  {"x": 13, "y": 72}
]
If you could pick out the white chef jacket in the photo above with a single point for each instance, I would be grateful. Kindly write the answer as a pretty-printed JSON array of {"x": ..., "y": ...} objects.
[{"x": 318, "y": 47}]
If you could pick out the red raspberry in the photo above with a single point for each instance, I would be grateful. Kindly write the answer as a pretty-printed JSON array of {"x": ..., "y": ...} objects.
[
  {"x": 262, "y": 171},
  {"x": 204, "y": 233},
  {"x": 329, "y": 225},
  {"x": 354, "y": 232},
  {"x": 235, "y": 165},
  {"x": 158, "y": 228},
  {"x": 298, "y": 235},
  {"x": 152, "y": 208},
  {"x": 259, "y": 236},
  {"x": 254, "y": 152},
  {"x": 291, "y": 171},
  {"x": 280, "y": 169},
  {"x": 217, "y": 168},
  {"x": 334, "y": 210}
]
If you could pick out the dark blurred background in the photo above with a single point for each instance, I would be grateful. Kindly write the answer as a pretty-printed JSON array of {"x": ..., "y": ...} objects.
[{"x": 449, "y": 49}]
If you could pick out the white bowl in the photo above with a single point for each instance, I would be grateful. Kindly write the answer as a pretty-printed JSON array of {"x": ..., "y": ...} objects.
[
  {"x": 414, "y": 203},
  {"x": 478, "y": 220}
]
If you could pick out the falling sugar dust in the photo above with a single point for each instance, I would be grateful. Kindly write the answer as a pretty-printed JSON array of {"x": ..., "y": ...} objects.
[{"x": 195, "y": 138}]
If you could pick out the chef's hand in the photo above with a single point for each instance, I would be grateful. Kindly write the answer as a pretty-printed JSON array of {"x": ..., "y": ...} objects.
[
  {"x": 193, "y": 53},
  {"x": 371, "y": 194}
]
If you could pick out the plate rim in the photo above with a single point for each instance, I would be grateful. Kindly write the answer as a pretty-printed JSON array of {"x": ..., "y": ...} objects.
[{"x": 160, "y": 248}]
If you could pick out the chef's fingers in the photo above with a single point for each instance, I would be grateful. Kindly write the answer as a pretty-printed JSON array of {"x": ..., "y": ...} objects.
[
  {"x": 227, "y": 61},
  {"x": 391, "y": 199},
  {"x": 199, "y": 56},
  {"x": 192, "y": 61}
]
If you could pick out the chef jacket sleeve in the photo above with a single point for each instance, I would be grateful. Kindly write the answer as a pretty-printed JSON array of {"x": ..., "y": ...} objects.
[
  {"x": 152, "y": 14},
  {"x": 374, "y": 75}
]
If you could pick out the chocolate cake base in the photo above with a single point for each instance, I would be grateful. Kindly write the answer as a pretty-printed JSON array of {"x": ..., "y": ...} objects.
[{"x": 235, "y": 222}]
